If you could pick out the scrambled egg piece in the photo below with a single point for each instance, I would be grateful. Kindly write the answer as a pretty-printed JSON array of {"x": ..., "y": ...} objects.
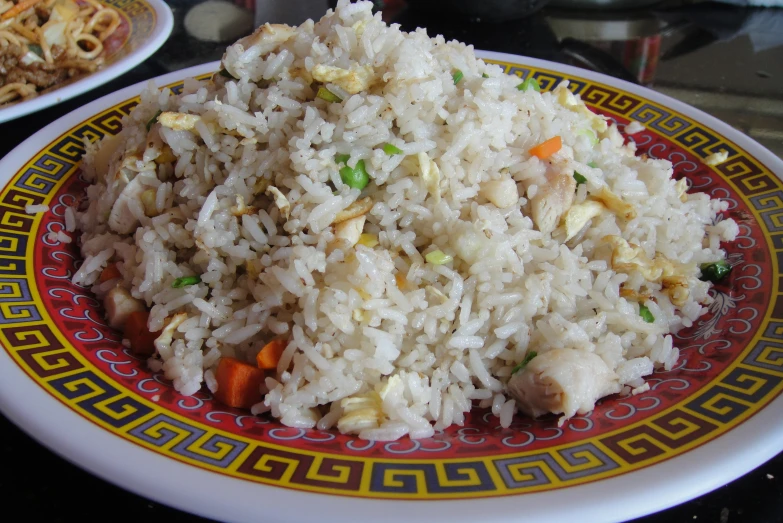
[
  {"x": 268, "y": 37},
  {"x": 717, "y": 158},
  {"x": 361, "y": 412},
  {"x": 281, "y": 201},
  {"x": 567, "y": 99},
  {"x": 430, "y": 173},
  {"x": 356, "y": 209},
  {"x": 178, "y": 121},
  {"x": 628, "y": 257},
  {"x": 163, "y": 342},
  {"x": 353, "y": 80},
  {"x": 682, "y": 189},
  {"x": 349, "y": 231},
  {"x": 578, "y": 216},
  {"x": 241, "y": 208},
  {"x": 615, "y": 204}
]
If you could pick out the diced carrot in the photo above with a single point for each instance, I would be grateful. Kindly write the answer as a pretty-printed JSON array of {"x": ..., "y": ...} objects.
[
  {"x": 111, "y": 272},
  {"x": 270, "y": 354},
  {"x": 136, "y": 331},
  {"x": 23, "y": 5},
  {"x": 239, "y": 383},
  {"x": 547, "y": 148}
]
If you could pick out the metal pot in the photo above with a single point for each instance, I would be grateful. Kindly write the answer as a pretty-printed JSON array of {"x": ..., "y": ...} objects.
[
  {"x": 489, "y": 10},
  {"x": 603, "y": 4}
]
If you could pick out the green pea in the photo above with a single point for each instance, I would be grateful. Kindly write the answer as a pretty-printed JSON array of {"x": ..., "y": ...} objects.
[{"x": 356, "y": 178}]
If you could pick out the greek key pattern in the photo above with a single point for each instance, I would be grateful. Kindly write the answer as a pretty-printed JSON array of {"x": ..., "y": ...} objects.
[{"x": 62, "y": 347}]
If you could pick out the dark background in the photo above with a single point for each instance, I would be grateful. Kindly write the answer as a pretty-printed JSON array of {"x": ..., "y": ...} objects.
[{"x": 661, "y": 46}]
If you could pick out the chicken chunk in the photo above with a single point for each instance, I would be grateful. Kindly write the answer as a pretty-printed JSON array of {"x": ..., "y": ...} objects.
[
  {"x": 563, "y": 381},
  {"x": 122, "y": 219},
  {"x": 119, "y": 304},
  {"x": 552, "y": 201},
  {"x": 500, "y": 193}
]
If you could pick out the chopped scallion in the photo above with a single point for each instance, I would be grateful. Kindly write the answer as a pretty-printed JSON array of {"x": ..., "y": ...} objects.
[
  {"x": 329, "y": 96},
  {"x": 593, "y": 165},
  {"x": 715, "y": 271},
  {"x": 645, "y": 313},
  {"x": 185, "y": 281},
  {"x": 579, "y": 178},
  {"x": 438, "y": 257},
  {"x": 154, "y": 119},
  {"x": 35, "y": 48},
  {"x": 391, "y": 149},
  {"x": 356, "y": 178},
  {"x": 590, "y": 135},
  {"x": 457, "y": 76},
  {"x": 226, "y": 74},
  {"x": 342, "y": 158},
  {"x": 521, "y": 365},
  {"x": 528, "y": 83},
  {"x": 484, "y": 75}
]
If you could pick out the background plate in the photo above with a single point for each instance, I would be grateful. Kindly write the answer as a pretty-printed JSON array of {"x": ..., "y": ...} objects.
[
  {"x": 715, "y": 416},
  {"x": 146, "y": 24}
]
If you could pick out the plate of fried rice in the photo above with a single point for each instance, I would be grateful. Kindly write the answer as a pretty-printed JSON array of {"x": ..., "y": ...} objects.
[
  {"x": 349, "y": 271},
  {"x": 53, "y": 50}
]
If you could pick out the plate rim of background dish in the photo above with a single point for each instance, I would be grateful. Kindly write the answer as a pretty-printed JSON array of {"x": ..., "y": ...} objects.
[
  {"x": 202, "y": 492},
  {"x": 164, "y": 25}
]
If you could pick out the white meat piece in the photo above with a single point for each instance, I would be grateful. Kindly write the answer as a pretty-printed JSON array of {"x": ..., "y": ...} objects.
[
  {"x": 119, "y": 304},
  {"x": 562, "y": 381},
  {"x": 552, "y": 201},
  {"x": 501, "y": 193},
  {"x": 122, "y": 219}
]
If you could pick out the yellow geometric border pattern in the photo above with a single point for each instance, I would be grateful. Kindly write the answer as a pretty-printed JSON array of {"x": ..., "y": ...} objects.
[{"x": 29, "y": 335}]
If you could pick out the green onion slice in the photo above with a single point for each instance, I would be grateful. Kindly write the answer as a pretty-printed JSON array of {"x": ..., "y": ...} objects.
[
  {"x": 521, "y": 365},
  {"x": 528, "y": 83},
  {"x": 593, "y": 165},
  {"x": 645, "y": 313},
  {"x": 590, "y": 135},
  {"x": 154, "y": 119},
  {"x": 457, "y": 76},
  {"x": 484, "y": 75},
  {"x": 329, "y": 96},
  {"x": 342, "y": 158},
  {"x": 715, "y": 271},
  {"x": 391, "y": 149},
  {"x": 438, "y": 257},
  {"x": 185, "y": 281},
  {"x": 226, "y": 74},
  {"x": 579, "y": 178}
]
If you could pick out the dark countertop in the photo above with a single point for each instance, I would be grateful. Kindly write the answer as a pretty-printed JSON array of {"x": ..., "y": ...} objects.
[{"x": 669, "y": 47}]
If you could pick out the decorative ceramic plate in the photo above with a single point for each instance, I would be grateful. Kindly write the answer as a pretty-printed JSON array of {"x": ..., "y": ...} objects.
[
  {"x": 66, "y": 379},
  {"x": 144, "y": 27}
]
